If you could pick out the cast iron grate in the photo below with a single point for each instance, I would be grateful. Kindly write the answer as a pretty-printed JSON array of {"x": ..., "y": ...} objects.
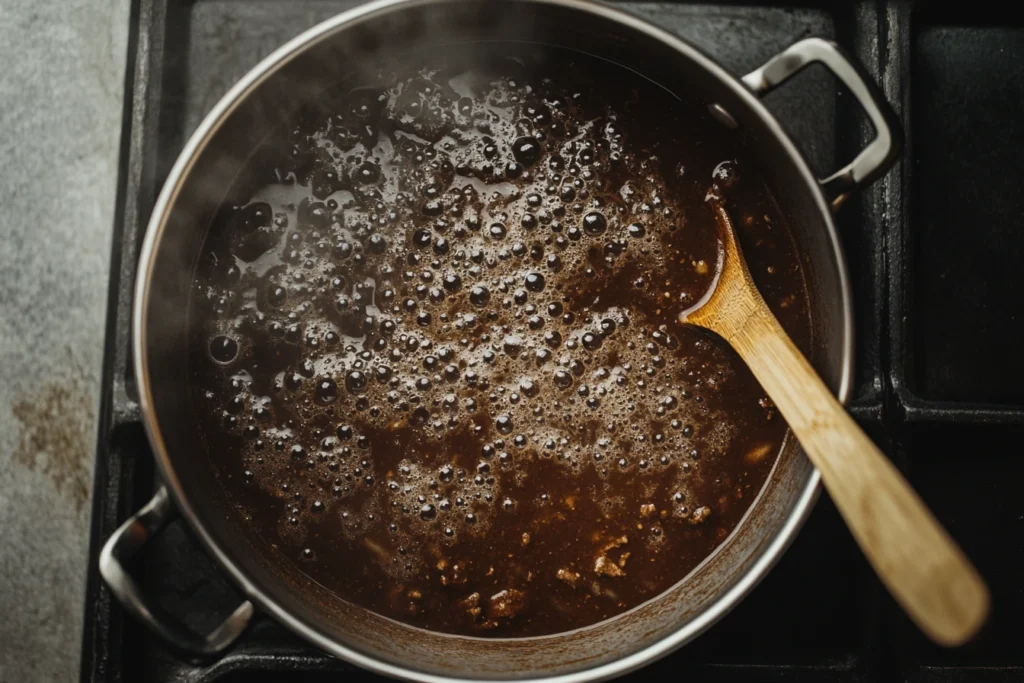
[{"x": 933, "y": 250}]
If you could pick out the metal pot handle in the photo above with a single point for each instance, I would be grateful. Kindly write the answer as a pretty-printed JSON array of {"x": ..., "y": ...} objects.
[
  {"x": 881, "y": 153},
  {"x": 127, "y": 541}
]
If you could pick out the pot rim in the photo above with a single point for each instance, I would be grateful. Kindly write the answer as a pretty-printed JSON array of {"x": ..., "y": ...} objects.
[{"x": 157, "y": 225}]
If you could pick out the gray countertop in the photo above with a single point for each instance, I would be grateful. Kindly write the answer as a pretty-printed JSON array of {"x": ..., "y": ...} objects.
[{"x": 61, "y": 98}]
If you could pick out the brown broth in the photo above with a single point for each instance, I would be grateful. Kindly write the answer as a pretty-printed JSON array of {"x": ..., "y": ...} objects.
[{"x": 436, "y": 360}]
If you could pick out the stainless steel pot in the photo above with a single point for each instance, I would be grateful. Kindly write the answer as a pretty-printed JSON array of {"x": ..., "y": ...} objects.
[{"x": 328, "y": 54}]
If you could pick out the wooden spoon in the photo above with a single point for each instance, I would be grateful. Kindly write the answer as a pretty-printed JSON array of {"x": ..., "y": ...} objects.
[{"x": 914, "y": 556}]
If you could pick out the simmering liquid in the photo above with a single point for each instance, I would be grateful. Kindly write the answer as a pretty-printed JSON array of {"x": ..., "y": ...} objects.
[{"x": 435, "y": 353}]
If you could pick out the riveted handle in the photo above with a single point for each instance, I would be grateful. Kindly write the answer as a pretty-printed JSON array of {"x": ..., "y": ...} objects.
[
  {"x": 881, "y": 153},
  {"x": 126, "y": 542}
]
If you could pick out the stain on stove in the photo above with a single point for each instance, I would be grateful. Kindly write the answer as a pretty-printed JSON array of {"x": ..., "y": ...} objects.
[{"x": 56, "y": 433}]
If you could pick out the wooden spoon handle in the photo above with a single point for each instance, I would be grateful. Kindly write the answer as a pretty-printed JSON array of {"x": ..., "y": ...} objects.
[{"x": 914, "y": 556}]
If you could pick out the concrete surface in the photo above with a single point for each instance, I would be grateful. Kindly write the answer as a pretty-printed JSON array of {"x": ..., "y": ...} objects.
[{"x": 61, "y": 80}]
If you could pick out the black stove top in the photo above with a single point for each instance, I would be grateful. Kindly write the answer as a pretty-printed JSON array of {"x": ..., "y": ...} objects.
[{"x": 935, "y": 252}]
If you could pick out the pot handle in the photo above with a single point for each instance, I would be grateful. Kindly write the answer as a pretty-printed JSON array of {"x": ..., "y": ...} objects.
[
  {"x": 126, "y": 542},
  {"x": 881, "y": 153}
]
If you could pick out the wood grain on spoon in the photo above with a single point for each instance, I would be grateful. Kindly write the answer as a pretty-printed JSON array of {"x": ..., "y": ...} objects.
[{"x": 914, "y": 556}]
